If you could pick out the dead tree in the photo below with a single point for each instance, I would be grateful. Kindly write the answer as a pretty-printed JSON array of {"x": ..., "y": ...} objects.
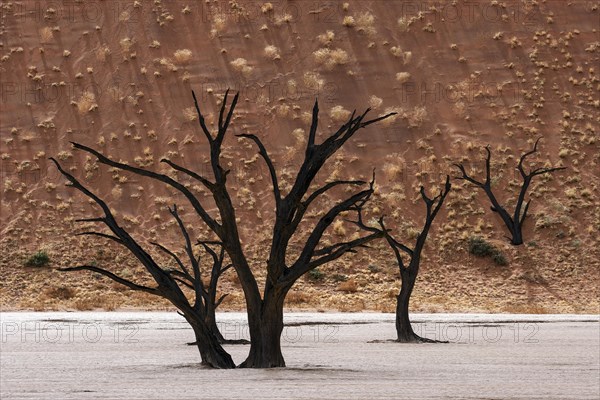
[
  {"x": 513, "y": 223},
  {"x": 212, "y": 302},
  {"x": 265, "y": 312},
  {"x": 170, "y": 283},
  {"x": 410, "y": 270}
]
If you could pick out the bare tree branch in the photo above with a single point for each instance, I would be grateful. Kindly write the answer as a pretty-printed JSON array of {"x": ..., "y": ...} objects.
[
  {"x": 265, "y": 155},
  {"x": 116, "y": 278},
  {"x": 208, "y": 184},
  {"x": 159, "y": 177}
]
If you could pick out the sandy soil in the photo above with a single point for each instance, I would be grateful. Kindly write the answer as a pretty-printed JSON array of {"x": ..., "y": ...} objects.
[{"x": 143, "y": 356}]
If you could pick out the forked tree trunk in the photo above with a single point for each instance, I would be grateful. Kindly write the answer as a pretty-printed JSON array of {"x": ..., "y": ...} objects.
[
  {"x": 516, "y": 235},
  {"x": 267, "y": 326},
  {"x": 209, "y": 346}
]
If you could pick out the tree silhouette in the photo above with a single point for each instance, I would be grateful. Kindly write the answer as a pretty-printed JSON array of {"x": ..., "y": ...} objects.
[
  {"x": 513, "y": 223},
  {"x": 283, "y": 267},
  {"x": 409, "y": 269},
  {"x": 170, "y": 283}
]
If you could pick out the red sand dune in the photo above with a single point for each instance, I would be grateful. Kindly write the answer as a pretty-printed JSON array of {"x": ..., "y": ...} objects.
[{"x": 118, "y": 75}]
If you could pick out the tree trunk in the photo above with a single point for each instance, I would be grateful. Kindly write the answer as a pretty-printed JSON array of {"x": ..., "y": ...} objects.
[
  {"x": 211, "y": 351},
  {"x": 517, "y": 235},
  {"x": 211, "y": 322},
  {"x": 403, "y": 327},
  {"x": 267, "y": 323}
]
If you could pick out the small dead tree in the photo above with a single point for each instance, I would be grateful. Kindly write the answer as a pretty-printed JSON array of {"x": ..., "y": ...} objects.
[
  {"x": 171, "y": 284},
  {"x": 410, "y": 270},
  {"x": 513, "y": 223},
  {"x": 283, "y": 268}
]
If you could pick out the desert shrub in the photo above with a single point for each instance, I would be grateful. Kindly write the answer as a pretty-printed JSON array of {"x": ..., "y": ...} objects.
[
  {"x": 479, "y": 247},
  {"x": 374, "y": 269},
  {"x": 499, "y": 259},
  {"x": 39, "y": 259},
  {"x": 339, "y": 277},
  {"x": 315, "y": 275}
]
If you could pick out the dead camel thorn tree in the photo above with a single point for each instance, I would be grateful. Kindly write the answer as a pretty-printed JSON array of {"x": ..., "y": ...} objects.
[
  {"x": 410, "y": 270},
  {"x": 513, "y": 223},
  {"x": 265, "y": 311},
  {"x": 170, "y": 283}
]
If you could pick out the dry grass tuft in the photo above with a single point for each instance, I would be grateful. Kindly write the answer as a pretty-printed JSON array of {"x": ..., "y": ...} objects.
[
  {"x": 59, "y": 292},
  {"x": 241, "y": 65},
  {"x": 349, "y": 21},
  {"x": 182, "y": 56},
  {"x": 330, "y": 58},
  {"x": 295, "y": 297},
  {"x": 350, "y": 286},
  {"x": 339, "y": 114},
  {"x": 402, "y": 77},
  {"x": 190, "y": 114},
  {"x": 272, "y": 52},
  {"x": 365, "y": 23},
  {"x": 375, "y": 102},
  {"x": 392, "y": 171},
  {"x": 46, "y": 35},
  {"x": 84, "y": 304},
  {"x": 126, "y": 44},
  {"x": 326, "y": 38},
  {"x": 338, "y": 228},
  {"x": 86, "y": 103},
  {"x": 218, "y": 25},
  {"x": 314, "y": 80}
]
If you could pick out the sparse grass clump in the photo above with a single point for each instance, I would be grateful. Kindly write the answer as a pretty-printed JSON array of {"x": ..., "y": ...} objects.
[
  {"x": 326, "y": 38},
  {"x": 315, "y": 275},
  {"x": 375, "y": 102},
  {"x": 330, "y": 58},
  {"x": 314, "y": 80},
  {"x": 479, "y": 247},
  {"x": 86, "y": 103},
  {"x": 39, "y": 259},
  {"x": 183, "y": 56},
  {"x": 241, "y": 65},
  {"x": 350, "y": 286},
  {"x": 272, "y": 52},
  {"x": 339, "y": 114},
  {"x": 60, "y": 292},
  {"x": 402, "y": 77}
]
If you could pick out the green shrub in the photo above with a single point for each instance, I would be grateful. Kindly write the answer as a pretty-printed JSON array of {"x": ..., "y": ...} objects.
[
  {"x": 481, "y": 248},
  {"x": 39, "y": 259},
  {"x": 499, "y": 259},
  {"x": 339, "y": 277},
  {"x": 315, "y": 275},
  {"x": 374, "y": 269}
]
